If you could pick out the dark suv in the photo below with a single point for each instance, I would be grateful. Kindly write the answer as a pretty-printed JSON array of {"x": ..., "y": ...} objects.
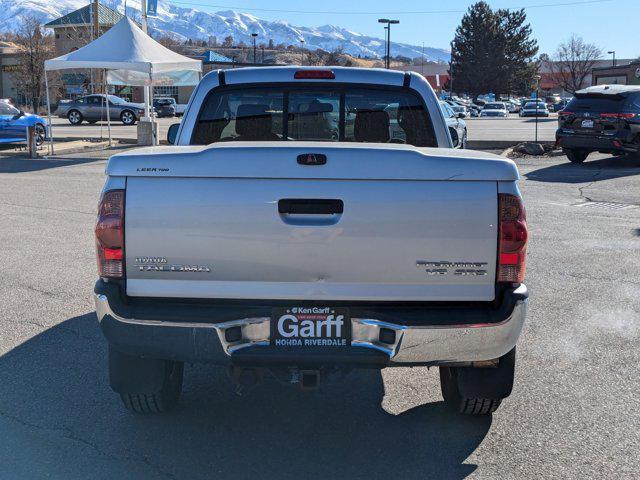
[{"x": 603, "y": 118}]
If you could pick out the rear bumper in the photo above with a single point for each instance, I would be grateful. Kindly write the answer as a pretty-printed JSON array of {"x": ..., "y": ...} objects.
[
  {"x": 427, "y": 340},
  {"x": 606, "y": 143}
]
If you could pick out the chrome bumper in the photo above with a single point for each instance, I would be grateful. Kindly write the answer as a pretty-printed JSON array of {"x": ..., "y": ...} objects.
[{"x": 413, "y": 344}]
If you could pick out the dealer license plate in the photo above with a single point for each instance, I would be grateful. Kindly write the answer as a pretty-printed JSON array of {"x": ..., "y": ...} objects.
[
  {"x": 587, "y": 123},
  {"x": 302, "y": 326}
]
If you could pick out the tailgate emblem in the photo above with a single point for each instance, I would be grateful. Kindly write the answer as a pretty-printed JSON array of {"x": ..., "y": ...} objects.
[{"x": 312, "y": 159}]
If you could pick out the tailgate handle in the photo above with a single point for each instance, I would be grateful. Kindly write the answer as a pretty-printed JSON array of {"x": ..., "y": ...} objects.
[{"x": 310, "y": 206}]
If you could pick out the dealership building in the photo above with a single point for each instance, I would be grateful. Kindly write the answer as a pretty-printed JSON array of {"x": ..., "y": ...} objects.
[{"x": 621, "y": 74}]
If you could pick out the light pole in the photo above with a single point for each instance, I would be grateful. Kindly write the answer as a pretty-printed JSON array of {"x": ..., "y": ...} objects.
[
  {"x": 537, "y": 79},
  {"x": 613, "y": 62},
  {"x": 253, "y": 36},
  {"x": 388, "y": 29},
  {"x": 302, "y": 51}
]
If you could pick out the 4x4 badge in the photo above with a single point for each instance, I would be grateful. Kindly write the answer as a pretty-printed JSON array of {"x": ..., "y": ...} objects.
[{"x": 312, "y": 159}]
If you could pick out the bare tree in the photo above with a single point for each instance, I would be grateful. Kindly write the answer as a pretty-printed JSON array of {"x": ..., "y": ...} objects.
[
  {"x": 572, "y": 63},
  {"x": 33, "y": 49}
]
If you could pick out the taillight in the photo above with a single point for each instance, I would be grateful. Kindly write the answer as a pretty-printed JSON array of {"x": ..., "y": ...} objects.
[
  {"x": 314, "y": 74},
  {"x": 563, "y": 113},
  {"x": 618, "y": 115},
  {"x": 110, "y": 234},
  {"x": 512, "y": 235}
]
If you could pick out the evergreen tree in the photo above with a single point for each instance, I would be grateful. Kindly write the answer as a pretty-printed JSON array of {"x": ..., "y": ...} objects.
[{"x": 492, "y": 51}]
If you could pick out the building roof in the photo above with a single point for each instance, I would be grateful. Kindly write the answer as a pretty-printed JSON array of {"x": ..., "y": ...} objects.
[
  {"x": 82, "y": 16},
  {"x": 213, "y": 57}
]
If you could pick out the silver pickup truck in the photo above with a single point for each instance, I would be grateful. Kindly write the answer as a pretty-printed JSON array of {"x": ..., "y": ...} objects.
[{"x": 307, "y": 221}]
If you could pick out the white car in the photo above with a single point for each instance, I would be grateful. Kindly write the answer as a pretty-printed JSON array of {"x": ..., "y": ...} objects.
[
  {"x": 307, "y": 220},
  {"x": 533, "y": 109},
  {"x": 494, "y": 109}
]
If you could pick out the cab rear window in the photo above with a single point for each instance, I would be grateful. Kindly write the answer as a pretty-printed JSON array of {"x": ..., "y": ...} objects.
[{"x": 326, "y": 113}]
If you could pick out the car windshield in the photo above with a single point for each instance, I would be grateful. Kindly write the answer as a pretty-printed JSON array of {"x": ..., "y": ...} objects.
[
  {"x": 494, "y": 106},
  {"x": 6, "y": 109},
  {"x": 533, "y": 105},
  {"x": 116, "y": 100},
  {"x": 164, "y": 101},
  {"x": 331, "y": 113}
]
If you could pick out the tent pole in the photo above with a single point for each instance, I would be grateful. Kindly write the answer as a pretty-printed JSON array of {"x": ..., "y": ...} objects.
[
  {"x": 106, "y": 97},
  {"x": 46, "y": 86}
]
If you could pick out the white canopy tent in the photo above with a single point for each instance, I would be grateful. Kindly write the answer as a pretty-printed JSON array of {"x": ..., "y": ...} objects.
[{"x": 129, "y": 57}]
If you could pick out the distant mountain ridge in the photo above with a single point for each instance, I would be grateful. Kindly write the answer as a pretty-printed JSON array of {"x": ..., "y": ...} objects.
[{"x": 184, "y": 23}]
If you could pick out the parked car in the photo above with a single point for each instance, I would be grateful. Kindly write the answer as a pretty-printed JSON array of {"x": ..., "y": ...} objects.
[
  {"x": 494, "y": 109},
  {"x": 457, "y": 126},
  {"x": 307, "y": 257},
  {"x": 532, "y": 109},
  {"x": 474, "y": 110},
  {"x": 14, "y": 123},
  {"x": 92, "y": 109},
  {"x": 164, "y": 106},
  {"x": 602, "y": 118}
]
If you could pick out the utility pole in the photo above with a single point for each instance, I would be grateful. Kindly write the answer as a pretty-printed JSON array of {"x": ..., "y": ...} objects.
[
  {"x": 537, "y": 78},
  {"x": 388, "y": 29},
  {"x": 302, "y": 51},
  {"x": 95, "y": 33},
  {"x": 253, "y": 36}
]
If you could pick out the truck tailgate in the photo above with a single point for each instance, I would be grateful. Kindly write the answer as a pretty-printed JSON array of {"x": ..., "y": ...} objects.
[{"x": 319, "y": 238}]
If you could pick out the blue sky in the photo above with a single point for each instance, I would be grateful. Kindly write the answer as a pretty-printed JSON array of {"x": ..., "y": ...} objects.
[{"x": 594, "y": 21}]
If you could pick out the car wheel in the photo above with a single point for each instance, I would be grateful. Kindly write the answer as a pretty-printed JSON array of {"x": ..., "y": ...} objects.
[
  {"x": 145, "y": 385},
  {"x": 41, "y": 134},
  {"x": 478, "y": 391},
  {"x": 74, "y": 117},
  {"x": 127, "y": 117},
  {"x": 576, "y": 155}
]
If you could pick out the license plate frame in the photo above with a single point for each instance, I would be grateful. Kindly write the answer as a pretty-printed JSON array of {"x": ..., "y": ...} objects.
[
  {"x": 306, "y": 327},
  {"x": 587, "y": 123}
]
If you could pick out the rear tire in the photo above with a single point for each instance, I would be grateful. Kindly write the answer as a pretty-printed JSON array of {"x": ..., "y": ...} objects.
[
  {"x": 145, "y": 385},
  {"x": 576, "y": 155},
  {"x": 478, "y": 391}
]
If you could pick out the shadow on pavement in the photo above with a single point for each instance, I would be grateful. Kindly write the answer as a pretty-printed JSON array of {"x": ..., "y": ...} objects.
[
  {"x": 22, "y": 165},
  {"x": 589, "y": 171},
  {"x": 540, "y": 119},
  {"x": 55, "y": 384}
]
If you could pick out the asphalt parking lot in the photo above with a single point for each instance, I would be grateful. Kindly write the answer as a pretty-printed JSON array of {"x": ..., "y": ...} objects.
[
  {"x": 573, "y": 413},
  {"x": 513, "y": 128}
]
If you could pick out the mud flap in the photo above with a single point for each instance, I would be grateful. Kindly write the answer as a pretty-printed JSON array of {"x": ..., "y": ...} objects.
[
  {"x": 135, "y": 375},
  {"x": 495, "y": 382}
]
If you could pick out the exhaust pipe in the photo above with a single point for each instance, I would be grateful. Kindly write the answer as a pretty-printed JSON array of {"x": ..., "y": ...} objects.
[{"x": 309, "y": 379}]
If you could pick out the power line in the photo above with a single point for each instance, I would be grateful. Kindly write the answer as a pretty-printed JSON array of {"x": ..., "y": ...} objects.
[{"x": 406, "y": 12}]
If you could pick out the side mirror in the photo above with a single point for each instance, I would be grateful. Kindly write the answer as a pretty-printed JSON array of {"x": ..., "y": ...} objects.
[
  {"x": 455, "y": 140},
  {"x": 172, "y": 134}
]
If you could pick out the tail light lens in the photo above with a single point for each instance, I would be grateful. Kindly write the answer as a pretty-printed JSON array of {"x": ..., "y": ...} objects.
[
  {"x": 618, "y": 115},
  {"x": 110, "y": 234},
  {"x": 513, "y": 236}
]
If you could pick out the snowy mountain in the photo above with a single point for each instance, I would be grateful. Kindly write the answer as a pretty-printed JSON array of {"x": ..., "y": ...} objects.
[{"x": 185, "y": 23}]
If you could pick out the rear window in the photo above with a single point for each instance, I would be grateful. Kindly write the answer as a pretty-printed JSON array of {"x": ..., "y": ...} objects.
[
  {"x": 328, "y": 113},
  {"x": 494, "y": 106},
  {"x": 607, "y": 104}
]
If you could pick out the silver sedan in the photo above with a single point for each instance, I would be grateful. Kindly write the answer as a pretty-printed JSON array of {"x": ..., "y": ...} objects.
[{"x": 92, "y": 109}]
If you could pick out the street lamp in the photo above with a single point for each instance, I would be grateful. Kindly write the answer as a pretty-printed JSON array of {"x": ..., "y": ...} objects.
[
  {"x": 388, "y": 38},
  {"x": 254, "y": 35},
  {"x": 302, "y": 51},
  {"x": 613, "y": 52}
]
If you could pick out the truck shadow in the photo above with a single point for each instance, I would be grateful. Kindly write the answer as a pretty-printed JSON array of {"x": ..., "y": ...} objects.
[
  {"x": 23, "y": 165},
  {"x": 589, "y": 171},
  {"x": 56, "y": 384}
]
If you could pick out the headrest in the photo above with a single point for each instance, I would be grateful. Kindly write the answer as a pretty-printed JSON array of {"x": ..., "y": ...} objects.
[
  {"x": 252, "y": 120},
  {"x": 371, "y": 126}
]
